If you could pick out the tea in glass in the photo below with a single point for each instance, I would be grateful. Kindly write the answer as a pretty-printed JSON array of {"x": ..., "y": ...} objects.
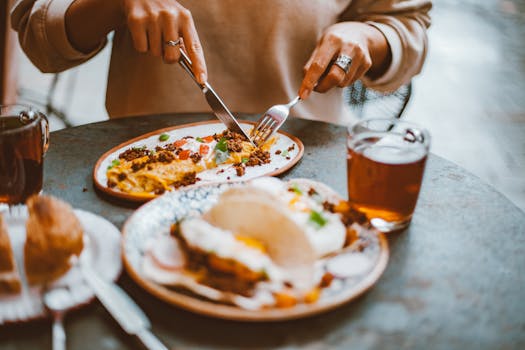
[{"x": 385, "y": 166}]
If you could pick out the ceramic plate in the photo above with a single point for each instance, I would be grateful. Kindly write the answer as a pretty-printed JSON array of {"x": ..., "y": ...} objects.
[
  {"x": 102, "y": 252},
  {"x": 279, "y": 162},
  {"x": 156, "y": 217}
]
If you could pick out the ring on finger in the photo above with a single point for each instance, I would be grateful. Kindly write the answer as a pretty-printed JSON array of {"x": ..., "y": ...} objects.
[
  {"x": 343, "y": 61},
  {"x": 173, "y": 42}
]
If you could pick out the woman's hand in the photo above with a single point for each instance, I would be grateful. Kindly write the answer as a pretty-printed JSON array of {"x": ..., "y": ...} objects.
[
  {"x": 363, "y": 43},
  {"x": 154, "y": 22}
]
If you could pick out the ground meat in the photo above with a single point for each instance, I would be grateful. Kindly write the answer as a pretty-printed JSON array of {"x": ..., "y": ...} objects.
[
  {"x": 187, "y": 179},
  {"x": 188, "y": 137},
  {"x": 122, "y": 176},
  {"x": 134, "y": 153},
  {"x": 165, "y": 157},
  {"x": 291, "y": 148},
  {"x": 329, "y": 206},
  {"x": 258, "y": 157},
  {"x": 170, "y": 147},
  {"x": 160, "y": 190},
  {"x": 312, "y": 192},
  {"x": 111, "y": 184},
  {"x": 196, "y": 157},
  {"x": 138, "y": 165},
  {"x": 234, "y": 145},
  {"x": 278, "y": 152},
  {"x": 240, "y": 169}
]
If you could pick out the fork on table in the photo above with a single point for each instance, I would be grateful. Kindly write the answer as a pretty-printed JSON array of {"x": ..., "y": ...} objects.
[{"x": 271, "y": 121}]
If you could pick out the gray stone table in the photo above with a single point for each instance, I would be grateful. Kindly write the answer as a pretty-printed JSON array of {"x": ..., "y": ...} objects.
[{"x": 455, "y": 279}]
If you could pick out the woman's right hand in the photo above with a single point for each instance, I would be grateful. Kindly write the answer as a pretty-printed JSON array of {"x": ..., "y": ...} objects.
[{"x": 154, "y": 22}]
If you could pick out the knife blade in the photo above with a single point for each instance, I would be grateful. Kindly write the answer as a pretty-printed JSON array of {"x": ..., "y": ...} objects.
[
  {"x": 123, "y": 309},
  {"x": 217, "y": 105}
]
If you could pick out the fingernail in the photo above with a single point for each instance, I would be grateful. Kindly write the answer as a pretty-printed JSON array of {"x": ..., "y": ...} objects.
[
  {"x": 202, "y": 78},
  {"x": 304, "y": 94}
]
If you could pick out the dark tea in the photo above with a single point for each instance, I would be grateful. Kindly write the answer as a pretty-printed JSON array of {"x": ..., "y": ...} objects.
[
  {"x": 385, "y": 164},
  {"x": 384, "y": 188},
  {"x": 21, "y": 158}
]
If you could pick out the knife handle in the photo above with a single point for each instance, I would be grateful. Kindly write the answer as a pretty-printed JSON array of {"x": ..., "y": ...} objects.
[
  {"x": 186, "y": 63},
  {"x": 150, "y": 341}
]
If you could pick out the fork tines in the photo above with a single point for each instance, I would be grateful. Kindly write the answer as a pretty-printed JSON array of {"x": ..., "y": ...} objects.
[{"x": 263, "y": 130}]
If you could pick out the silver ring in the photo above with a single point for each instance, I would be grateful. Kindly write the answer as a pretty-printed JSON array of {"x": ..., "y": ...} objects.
[
  {"x": 343, "y": 61},
  {"x": 173, "y": 42}
]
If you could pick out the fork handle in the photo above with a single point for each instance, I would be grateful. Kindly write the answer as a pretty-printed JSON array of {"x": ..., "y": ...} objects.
[
  {"x": 59, "y": 334},
  {"x": 293, "y": 102}
]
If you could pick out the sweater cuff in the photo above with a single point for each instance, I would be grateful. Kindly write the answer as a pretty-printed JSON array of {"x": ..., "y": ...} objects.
[
  {"x": 396, "y": 50},
  {"x": 56, "y": 32}
]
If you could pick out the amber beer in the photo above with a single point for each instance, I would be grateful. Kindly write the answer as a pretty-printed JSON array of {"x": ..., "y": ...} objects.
[
  {"x": 22, "y": 146},
  {"x": 385, "y": 171}
]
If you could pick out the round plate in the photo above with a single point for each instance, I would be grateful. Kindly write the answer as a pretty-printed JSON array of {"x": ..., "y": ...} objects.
[
  {"x": 102, "y": 252},
  {"x": 279, "y": 163},
  {"x": 156, "y": 217}
]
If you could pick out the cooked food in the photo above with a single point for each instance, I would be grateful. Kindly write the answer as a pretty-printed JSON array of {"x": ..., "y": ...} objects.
[
  {"x": 54, "y": 238},
  {"x": 261, "y": 245},
  {"x": 9, "y": 278},
  {"x": 170, "y": 165}
]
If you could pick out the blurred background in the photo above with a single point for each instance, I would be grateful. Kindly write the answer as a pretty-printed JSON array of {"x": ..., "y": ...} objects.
[{"x": 470, "y": 95}]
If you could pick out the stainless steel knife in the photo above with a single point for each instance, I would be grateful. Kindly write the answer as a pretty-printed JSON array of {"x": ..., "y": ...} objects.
[
  {"x": 123, "y": 309},
  {"x": 217, "y": 105}
]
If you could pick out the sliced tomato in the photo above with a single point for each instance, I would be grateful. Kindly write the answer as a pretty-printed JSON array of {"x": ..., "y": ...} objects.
[
  {"x": 179, "y": 143},
  {"x": 208, "y": 139},
  {"x": 203, "y": 150},
  {"x": 184, "y": 154}
]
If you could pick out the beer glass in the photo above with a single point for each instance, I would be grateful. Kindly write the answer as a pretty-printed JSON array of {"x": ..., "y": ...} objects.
[
  {"x": 385, "y": 165},
  {"x": 24, "y": 139}
]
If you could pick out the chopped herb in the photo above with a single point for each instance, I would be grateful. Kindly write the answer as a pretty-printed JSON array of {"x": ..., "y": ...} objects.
[
  {"x": 139, "y": 148},
  {"x": 296, "y": 189},
  {"x": 115, "y": 162},
  {"x": 222, "y": 145},
  {"x": 265, "y": 274},
  {"x": 199, "y": 139},
  {"x": 284, "y": 153},
  {"x": 244, "y": 160},
  {"x": 318, "y": 219},
  {"x": 164, "y": 137}
]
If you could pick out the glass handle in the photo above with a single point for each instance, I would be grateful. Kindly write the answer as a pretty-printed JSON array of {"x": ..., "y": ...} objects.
[{"x": 45, "y": 132}]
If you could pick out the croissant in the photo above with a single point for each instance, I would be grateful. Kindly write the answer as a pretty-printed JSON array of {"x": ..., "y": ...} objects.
[
  {"x": 9, "y": 278},
  {"x": 54, "y": 237}
]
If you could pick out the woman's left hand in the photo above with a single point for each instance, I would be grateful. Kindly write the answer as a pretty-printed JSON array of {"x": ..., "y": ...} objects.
[{"x": 363, "y": 43}]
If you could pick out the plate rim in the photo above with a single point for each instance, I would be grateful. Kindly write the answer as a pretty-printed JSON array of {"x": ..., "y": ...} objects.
[
  {"x": 144, "y": 198},
  {"x": 233, "y": 313}
]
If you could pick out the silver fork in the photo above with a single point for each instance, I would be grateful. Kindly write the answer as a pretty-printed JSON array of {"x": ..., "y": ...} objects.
[{"x": 271, "y": 121}]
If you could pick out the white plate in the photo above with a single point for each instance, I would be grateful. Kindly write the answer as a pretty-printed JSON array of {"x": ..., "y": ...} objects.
[
  {"x": 155, "y": 218},
  {"x": 279, "y": 163},
  {"x": 102, "y": 252}
]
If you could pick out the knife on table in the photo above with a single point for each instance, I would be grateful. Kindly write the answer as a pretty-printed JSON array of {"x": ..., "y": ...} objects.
[
  {"x": 217, "y": 105},
  {"x": 123, "y": 309}
]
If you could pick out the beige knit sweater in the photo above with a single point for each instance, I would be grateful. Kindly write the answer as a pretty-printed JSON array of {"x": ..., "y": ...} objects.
[{"x": 254, "y": 50}]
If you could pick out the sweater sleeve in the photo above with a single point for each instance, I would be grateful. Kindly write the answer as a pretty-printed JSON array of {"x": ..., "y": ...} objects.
[
  {"x": 404, "y": 24},
  {"x": 42, "y": 34}
]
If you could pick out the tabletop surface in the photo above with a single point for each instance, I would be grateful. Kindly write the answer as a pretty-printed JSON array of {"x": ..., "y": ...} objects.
[{"x": 454, "y": 279}]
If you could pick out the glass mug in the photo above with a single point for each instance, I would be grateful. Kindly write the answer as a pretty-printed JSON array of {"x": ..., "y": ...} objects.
[
  {"x": 24, "y": 139},
  {"x": 385, "y": 165}
]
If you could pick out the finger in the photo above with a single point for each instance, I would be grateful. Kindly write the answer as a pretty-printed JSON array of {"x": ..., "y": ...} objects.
[
  {"x": 193, "y": 46},
  {"x": 170, "y": 32},
  {"x": 155, "y": 37},
  {"x": 138, "y": 30},
  {"x": 333, "y": 78},
  {"x": 309, "y": 62},
  {"x": 319, "y": 64},
  {"x": 363, "y": 68}
]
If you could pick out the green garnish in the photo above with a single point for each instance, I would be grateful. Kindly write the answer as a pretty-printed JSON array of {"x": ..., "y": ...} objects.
[
  {"x": 199, "y": 139},
  {"x": 285, "y": 153},
  {"x": 244, "y": 160},
  {"x": 318, "y": 219},
  {"x": 296, "y": 189},
  {"x": 115, "y": 162},
  {"x": 164, "y": 137},
  {"x": 222, "y": 145},
  {"x": 139, "y": 148}
]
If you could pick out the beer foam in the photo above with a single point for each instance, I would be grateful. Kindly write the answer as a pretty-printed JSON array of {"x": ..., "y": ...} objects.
[{"x": 398, "y": 153}]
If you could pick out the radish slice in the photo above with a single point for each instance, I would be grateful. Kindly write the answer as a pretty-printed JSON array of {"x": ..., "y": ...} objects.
[
  {"x": 166, "y": 253},
  {"x": 348, "y": 265}
]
